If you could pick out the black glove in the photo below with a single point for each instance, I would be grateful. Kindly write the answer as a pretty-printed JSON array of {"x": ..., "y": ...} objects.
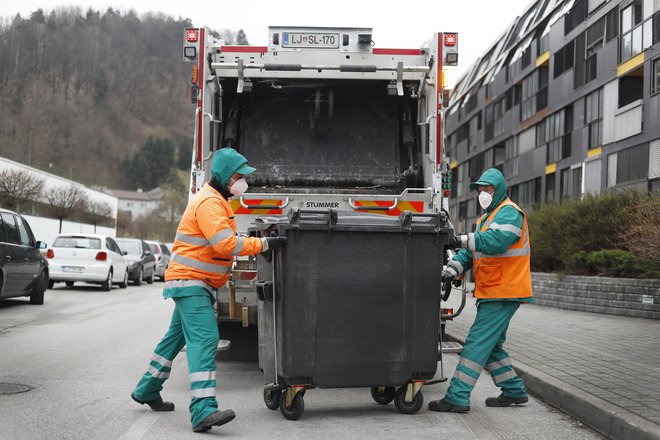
[
  {"x": 447, "y": 278},
  {"x": 275, "y": 242}
]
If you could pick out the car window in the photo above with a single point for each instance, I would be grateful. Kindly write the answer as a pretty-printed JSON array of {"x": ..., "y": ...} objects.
[
  {"x": 130, "y": 246},
  {"x": 11, "y": 230},
  {"x": 3, "y": 237},
  {"x": 154, "y": 248},
  {"x": 25, "y": 232},
  {"x": 165, "y": 249},
  {"x": 145, "y": 247},
  {"x": 78, "y": 242},
  {"x": 114, "y": 247}
]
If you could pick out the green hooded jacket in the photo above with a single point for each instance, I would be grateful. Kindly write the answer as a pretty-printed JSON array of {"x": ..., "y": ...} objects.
[{"x": 499, "y": 236}]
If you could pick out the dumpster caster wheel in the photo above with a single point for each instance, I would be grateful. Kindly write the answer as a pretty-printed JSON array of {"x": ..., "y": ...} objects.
[
  {"x": 295, "y": 411},
  {"x": 408, "y": 407},
  {"x": 272, "y": 398},
  {"x": 383, "y": 397}
]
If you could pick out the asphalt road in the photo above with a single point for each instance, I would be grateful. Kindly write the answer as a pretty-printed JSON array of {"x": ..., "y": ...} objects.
[{"x": 84, "y": 350}]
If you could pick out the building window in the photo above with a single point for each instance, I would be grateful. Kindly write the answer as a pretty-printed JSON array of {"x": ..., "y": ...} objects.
[
  {"x": 655, "y": 76},
  {"x": 593, "y": 117},
  {"x": 534, "y": 93},
  {"x": 529, "y": 193},
  {"x": 631, "y": 87},
  {"x": 631, "y": 31},
  {"x": 612, "y": 26},
  {"x": 575, "y": 16},
  {"x": 462, "y": 210},
  {"x": 511, "y": 157},
  {"x": 564, "y": 59},
  {"x": 550, "y": 187},
  {"x": 576, "y": 184},
  {"x": 471, "y": 208},
  {"x": 565, "y": 185},
  {"x": 557, "y": 132},
  {"x": 632, "y": 164}
]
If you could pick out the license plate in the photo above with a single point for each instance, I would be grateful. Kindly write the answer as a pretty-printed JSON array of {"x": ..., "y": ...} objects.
[
  {"x": 299, "y": 39},
  {"x": 75, "y": 269}
]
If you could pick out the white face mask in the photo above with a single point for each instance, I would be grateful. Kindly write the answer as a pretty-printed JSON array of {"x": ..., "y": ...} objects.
[
  {"x": 485, "y": 199},
  {"x": 239, "y": 187}
]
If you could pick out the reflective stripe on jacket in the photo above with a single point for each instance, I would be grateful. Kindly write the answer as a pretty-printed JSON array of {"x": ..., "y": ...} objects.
[
  {"x": 505, "y": 275},
  {"x": 206, "y": 241}
]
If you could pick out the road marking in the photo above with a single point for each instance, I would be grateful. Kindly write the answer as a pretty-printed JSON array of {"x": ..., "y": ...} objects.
[{"x": 142, "y": 425}]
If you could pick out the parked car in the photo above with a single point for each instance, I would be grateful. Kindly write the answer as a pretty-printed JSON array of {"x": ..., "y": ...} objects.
[
  {"x": 23, "y": 270},
  {"x": 90, "y": 258},
  {"x": 141, "y": 260},
  {"x": 162, "y": 254}
]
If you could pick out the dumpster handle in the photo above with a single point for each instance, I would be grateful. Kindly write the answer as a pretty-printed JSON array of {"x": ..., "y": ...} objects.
[
  {"x": 274, "y": 319},
  {"x": 394, "y": 204},
  {"x": 246, "y": 206},
  {"x": 460, "y": 309}
]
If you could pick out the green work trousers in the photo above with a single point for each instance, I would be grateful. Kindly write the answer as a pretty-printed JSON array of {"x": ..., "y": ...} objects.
[
  {"x": 483, "y": 350},
  {"x": 194, "y": 325}
]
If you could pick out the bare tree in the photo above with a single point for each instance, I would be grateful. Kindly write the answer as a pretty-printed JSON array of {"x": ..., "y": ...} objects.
[
  {"x": 95, "y": 212},
  {"x": 65, "y": 201},
  {"x": 17, "y": 186}
]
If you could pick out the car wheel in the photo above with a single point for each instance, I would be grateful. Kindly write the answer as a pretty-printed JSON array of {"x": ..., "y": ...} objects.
[
  {"x": 150, "y": 280},
  {"x": 138, "y": 280},
  {"x": 106, "y": 286},
  {"x": 51, "y": 284},
  {"x": 37, "y": 295},
  {"x": 124, "y": 284},
  {"x": 69, "y": 283}
]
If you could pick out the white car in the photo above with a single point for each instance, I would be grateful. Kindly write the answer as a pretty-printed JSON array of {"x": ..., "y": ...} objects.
[{"x": 89, "y": 258}]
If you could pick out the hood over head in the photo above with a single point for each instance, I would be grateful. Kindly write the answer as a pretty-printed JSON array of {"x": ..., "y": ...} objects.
[
  {"x": 226, "y": 162},
  {"x": 492, "y": 176}
]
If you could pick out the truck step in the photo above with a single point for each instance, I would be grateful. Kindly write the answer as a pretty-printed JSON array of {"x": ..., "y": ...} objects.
[{"x": 449, "y": 347}]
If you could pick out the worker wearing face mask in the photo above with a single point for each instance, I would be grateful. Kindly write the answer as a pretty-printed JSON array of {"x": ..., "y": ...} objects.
[
  {"x": 498, "y": 252},
  {"x": 202, "y": 258}
]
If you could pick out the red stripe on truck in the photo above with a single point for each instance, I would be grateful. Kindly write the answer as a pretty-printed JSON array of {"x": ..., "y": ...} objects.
[
  {"x": 397, "y": 51},
  {"x": 244, "y": 49}
]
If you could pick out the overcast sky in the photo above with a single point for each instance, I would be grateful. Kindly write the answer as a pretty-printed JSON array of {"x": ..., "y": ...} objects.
[{"x": 400, "y": 24}]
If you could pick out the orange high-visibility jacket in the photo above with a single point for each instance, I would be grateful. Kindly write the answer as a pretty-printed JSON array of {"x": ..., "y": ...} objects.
[
  {"x": 505, "y": 275},
  {"x": 206, "y": 241}
]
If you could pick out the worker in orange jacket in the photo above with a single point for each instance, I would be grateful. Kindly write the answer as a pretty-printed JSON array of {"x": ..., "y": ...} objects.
[{"x": 202, "y": 258}]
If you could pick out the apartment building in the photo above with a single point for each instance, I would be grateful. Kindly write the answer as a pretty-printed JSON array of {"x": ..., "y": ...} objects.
[{"x": 565, "y": 102}]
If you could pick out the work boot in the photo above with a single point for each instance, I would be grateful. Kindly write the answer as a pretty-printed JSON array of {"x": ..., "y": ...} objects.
[
  {"x": 444, "y": 406},
  {"x": 156, "y": 405},
  {"x": 215, "y": 419},
  {"x": 503, "y": 400}
]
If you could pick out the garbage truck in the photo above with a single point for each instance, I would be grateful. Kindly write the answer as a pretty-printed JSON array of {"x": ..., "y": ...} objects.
[{"x": 329, "y": 120}]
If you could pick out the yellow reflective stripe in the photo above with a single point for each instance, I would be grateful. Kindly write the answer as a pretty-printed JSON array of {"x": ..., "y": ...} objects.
[
  {"x": 498, "y": 364},
  {"x": 240, "y": 242},
  {"x": 202, "y": 376},
  {"x": 191, "y": 239},
  {"x": 202, "y": 392},
  {"x": 161, "y": 360},
  {"x": 504, "y": 376},
  {"x": 465, "y": 378},
  {"x": 222, "y": 235},
  {"x": 207, "y": 267}
]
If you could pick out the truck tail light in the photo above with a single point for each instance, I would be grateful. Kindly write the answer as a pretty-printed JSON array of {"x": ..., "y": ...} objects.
[
  {"x": 192, "y": 35},
  {"x": 451, "y": 40},
  {"x": 102, "y": 256},
  {"x": 50, "y": 253}
]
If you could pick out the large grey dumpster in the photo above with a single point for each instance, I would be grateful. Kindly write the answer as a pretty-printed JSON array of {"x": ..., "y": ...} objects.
[{"x": 355, "y": 303}]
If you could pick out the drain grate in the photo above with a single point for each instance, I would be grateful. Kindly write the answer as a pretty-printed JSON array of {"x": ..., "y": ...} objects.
[{"x": 13, "y": 388}]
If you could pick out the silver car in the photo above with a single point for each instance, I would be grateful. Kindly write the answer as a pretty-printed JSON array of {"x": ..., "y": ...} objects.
[{"x": 162, "y": 254}]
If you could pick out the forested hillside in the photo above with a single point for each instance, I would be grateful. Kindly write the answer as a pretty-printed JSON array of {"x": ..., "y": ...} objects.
[{"x": 89, "y": 94}]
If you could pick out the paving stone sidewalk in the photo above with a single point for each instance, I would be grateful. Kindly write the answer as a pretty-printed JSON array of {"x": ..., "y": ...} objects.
[{"x": 602, "y": 369}]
